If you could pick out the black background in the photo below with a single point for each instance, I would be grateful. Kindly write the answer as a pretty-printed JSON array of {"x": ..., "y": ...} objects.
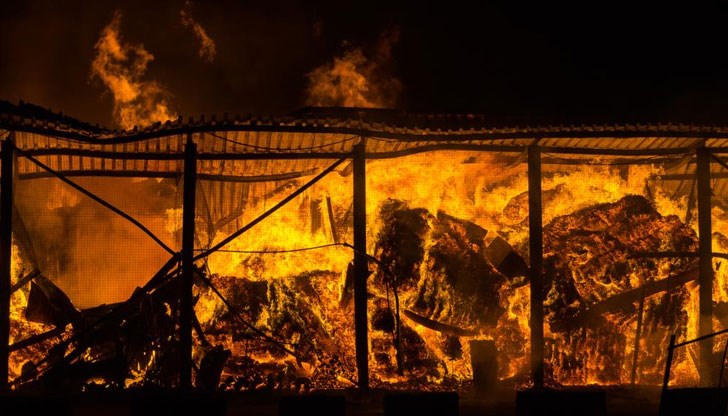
[{"x": 517, "y": 63}]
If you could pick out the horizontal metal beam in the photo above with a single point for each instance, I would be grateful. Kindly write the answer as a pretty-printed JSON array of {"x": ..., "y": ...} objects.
[
  {"x": 617, "y": 151},
  {"x": 447, "y": 146},
  {"x": 96, "y": 173},
  {"x": 98, "y": 199},
  {"x": 105, "y": 154},
  {"x": 402, "y": 133},
  {"x": 294, "y": 154},
  {"x": 688, "y": 176},
  {"x": 179, "y": 155}
]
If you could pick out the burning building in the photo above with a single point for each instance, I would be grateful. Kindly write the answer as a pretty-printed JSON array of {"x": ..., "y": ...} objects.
[{"x": 333, "y": 248}]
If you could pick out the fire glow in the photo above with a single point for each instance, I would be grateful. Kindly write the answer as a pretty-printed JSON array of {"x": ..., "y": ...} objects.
[
  {"x": 443, "y": 218},
  {"x": 447, "y": 250}
]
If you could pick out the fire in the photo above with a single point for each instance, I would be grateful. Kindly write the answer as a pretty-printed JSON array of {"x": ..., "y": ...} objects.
[
  {"x": 355, "y": 80},
  {"x": 277, "y": 312},
  {"x": 430, "y": 229},
  {"x": 121, "y": 67},
  {"x": 207, "y": 45},
  {"x": 490, "y": 198}
]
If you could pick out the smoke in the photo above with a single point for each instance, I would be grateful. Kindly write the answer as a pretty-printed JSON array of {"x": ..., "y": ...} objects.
[
  {"x": 207, "y": 45},
  {"x": 355, "y": 80},
  {"x": 121, "y": 66},
  {"x": 91, "y": 253}
]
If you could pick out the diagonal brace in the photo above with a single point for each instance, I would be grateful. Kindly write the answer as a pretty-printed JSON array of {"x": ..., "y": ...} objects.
[
  {"x": 97, "y": 199},
  {"x": 273, "y": 209}
]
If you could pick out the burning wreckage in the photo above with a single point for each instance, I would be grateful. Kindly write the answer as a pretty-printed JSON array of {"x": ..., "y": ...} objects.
[{"x": 275, "y": 299}]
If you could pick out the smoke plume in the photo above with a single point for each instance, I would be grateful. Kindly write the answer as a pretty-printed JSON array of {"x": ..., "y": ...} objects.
[{"x": 121, "y": 67}]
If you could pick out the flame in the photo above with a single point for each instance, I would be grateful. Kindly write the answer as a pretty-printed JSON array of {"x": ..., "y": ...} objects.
[
  {"x": 121, "y": 67},
  {"x": 436, "y": 187},
  {"x": 207, "y": 45},
  {"x": 287, "y": 277},
  {"x": 353, "y": 80},
  {"x": 20, "y": 328}
]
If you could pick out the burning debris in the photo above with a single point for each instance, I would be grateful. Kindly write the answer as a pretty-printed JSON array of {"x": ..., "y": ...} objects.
[
  {"x": 590, "y": 257},
  {"x": 439, "y": 284},
  {"x": 433, "y": 269},
  {"x": 129, "y": 344}
]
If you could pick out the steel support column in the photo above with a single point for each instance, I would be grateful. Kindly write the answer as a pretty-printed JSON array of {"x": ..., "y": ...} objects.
[
  {"x": 705, "y": 264},
  {"x": 6, "y": 231},
  {"x": 361, "y": 268},
  {"x": 188, "y": 246},
  {"x": 535, "y": 251}
]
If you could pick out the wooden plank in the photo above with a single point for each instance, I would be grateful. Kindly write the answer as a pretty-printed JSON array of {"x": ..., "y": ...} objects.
[
  {"x": 629, "y": 297},
  {"x": 439, "y": 326}
]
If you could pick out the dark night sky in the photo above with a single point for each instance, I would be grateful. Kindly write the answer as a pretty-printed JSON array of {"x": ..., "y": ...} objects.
[{"x": 516, "y": 63}]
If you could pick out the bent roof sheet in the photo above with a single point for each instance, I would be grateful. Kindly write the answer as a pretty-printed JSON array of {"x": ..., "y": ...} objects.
[{"x": 236, "y": 148}]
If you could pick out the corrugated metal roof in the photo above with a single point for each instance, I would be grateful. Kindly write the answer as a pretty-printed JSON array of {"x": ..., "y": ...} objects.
[
  {"x": 242, "y": 159},
  {"x": 237, "y": 149}
]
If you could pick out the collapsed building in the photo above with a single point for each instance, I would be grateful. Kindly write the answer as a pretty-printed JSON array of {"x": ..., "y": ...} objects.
[{"x": 356, "y": 247}]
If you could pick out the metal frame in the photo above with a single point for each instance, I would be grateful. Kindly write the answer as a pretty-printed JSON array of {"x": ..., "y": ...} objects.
[
  {"x": 535, "y": 251},
  {"x": 705, "y": 262},
  {"x": 359, "y": 156},
  {"x": 6, "y": 230}
]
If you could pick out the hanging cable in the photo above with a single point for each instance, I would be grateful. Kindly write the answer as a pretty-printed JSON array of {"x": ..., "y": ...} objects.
[
  {"x": 266, "y": 148},
  {"x": 293, "y": 250}
]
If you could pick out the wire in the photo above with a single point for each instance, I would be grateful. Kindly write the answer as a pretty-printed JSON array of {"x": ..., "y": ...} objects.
[
  {"x": 634, "y": 161},
  {"x": 252, "y": 146},
  {"x": 293, "y": 250}
]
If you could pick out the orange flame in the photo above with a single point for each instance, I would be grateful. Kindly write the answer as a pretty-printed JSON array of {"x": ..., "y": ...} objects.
[
  {"x": 353, "y": 80},
  {"x": 207, "y": 45},
  {"x": 121, "y": 66}
]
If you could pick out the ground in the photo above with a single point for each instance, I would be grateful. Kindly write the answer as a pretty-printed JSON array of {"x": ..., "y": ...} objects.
[{"x": 621, "y": 401}]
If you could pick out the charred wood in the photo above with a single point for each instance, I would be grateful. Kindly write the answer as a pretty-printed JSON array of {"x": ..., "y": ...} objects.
[
  {"x": 507, "y": 260},
  {"x": 439, "y": 326},
  {"x": 34, "y": 339},
  {"x": 592, "y": 281},
  {"x": 627, "y": 298},
  {"x": 47, "y": 304},
  {"x": 211, "y": 366},
  {"x": 24, "y": 280}
]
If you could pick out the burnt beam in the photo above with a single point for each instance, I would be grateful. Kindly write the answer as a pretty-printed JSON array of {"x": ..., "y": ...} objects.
[
  {"x": 705, "y": 262},
  {"x": 169, "y": 174},
  {"x": 188, "y": 246},
  {"x": 625, "y": 299},
  {"x": 361, "y": 267},
  {"x": 34, "y": 339},
  {"x": 535, "y": 251},
  {"x": 6, "y": 230}
]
